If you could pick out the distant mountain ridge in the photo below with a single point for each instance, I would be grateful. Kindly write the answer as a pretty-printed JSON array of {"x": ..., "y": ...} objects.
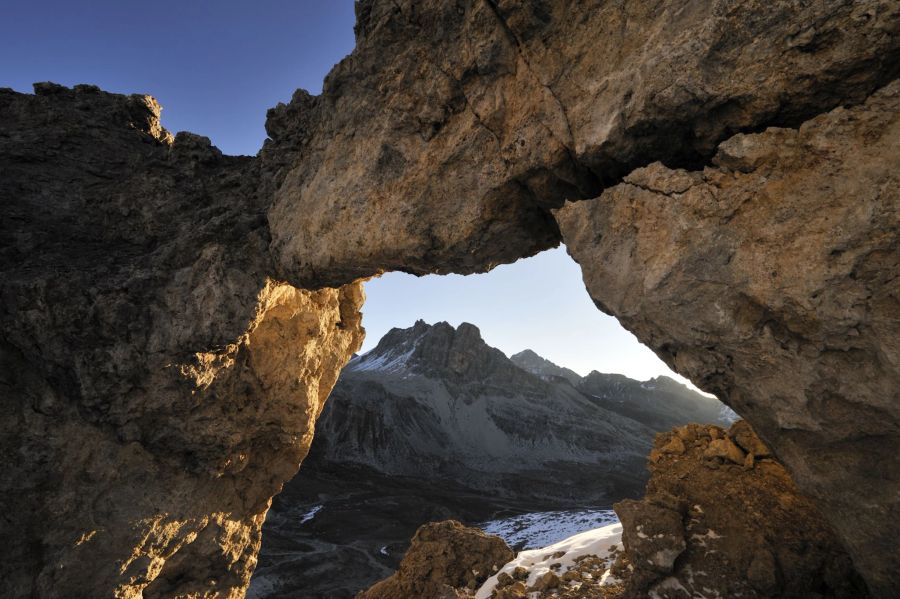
[
  {"x": 437, "y": 401},
  {"x": 531, "y": 362}
]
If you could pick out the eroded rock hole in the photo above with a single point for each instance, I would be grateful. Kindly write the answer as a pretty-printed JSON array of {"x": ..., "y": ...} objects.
[{"x": 452, "y": 410}]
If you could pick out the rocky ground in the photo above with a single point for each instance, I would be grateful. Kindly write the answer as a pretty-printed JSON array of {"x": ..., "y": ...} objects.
[{"x": 720, "y": 518}]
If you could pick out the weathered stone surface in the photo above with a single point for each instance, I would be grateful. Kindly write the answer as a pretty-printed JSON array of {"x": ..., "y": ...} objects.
[
  {"x": 157, "y": 386},
  {"x": 443, "y": 556},
  {"x": 744, "y": 437},
  {"x": 769, "y": 278},
  {"x": 728, "y": 532},
  {"x": 439, "y": 144},
  {"x": 654, "y": 535},
  {"x": 135, "y": 267},
  {"x": 727, "y": 450}
]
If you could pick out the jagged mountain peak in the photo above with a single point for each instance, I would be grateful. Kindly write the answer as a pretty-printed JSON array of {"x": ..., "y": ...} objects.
[
  {"x": 532, "y": 362},
  {"x": 432, "y": 349}
]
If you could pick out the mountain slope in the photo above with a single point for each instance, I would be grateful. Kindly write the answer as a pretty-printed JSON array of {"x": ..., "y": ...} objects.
[
  {"x": 437, "y": 402},
  {"x": 660, "y": 403}
]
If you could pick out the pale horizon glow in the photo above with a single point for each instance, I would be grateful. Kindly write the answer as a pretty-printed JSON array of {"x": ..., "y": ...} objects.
[{"x": 537, "y": 303}]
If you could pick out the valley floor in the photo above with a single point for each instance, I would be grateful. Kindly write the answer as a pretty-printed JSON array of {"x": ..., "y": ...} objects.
[{"x": 345, "y": 528}]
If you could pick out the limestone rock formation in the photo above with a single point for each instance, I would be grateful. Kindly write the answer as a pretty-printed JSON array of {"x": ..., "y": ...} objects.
[
  {"x": 157, "y": 386},
  {"x": 143, "y": 436},
  {"x": 769, "y": 278},
  {"x": 708, "y": 526},
  {"x": 443, "y": 557},
  {"x": 489, "y": 114},
  {"x": 460, "y": 123}
]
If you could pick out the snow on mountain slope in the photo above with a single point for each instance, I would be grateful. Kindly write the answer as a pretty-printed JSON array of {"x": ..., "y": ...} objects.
[
  {"x": 537, "y": 529},
  {"x": 601, "y": 542}
]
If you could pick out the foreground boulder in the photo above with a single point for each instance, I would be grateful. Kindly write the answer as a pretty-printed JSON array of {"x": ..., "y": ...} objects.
[
  {"x": 727, "y": 523},
  {"x": 445, "y": 559}
]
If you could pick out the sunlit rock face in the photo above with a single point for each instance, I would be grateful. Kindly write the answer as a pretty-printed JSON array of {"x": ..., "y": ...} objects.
[
  {"x": 439, "y": 144},
  {"x": 770, "y": 278},
  {"x": 158, "y": 387}
]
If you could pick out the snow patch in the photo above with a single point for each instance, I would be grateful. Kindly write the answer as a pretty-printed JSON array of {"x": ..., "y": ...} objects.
[
  {"x": 539, "y": 529},
  {"x": 310, "y": 514},
  {"x": 393, "y": 360},
  {"x": 599, "y": 542},
  {"x": 727, "y": 415}
]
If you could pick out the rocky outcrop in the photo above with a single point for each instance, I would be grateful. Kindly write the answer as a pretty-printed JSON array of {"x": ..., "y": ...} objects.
[
  {"x": 461, "y": 124},
  {"x": 727, "y": 524},
  {"x": 157, "y": 386},
  {"x": 769, "y": 278},
  {"x": 445, "y": 560}
]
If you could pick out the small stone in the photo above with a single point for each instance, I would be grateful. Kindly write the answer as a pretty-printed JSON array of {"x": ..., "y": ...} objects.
[
  {"x": 745, "y": 438},
  {"x": 514, "y": 591},
  {"x": 761, "y": 573},
  {"x": 571, "y": 575},
  {"x": 686, "y": 433},
  {"x": 724, "y": 448},
  {"x": 520, "y": 573},
  {"x": 504, "y": 579},
  {"x": 548, "y": 581},
  {"x": 749, "y": 461},
  {"x": 674, "y": 446}
]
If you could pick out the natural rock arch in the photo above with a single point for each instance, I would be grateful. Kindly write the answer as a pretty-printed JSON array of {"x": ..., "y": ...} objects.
[{"x": 161, "y": 375}]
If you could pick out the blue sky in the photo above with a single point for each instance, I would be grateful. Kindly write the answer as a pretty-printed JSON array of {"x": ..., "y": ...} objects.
[{"x": 216, "y": 66}]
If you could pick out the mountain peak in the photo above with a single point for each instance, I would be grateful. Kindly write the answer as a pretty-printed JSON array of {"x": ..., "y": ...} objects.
[
  {"x": 430, "y": 349},
  {"x": 529, "y": 361}
]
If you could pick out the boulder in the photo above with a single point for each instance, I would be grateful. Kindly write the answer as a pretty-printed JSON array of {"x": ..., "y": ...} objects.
[
  {"x": 728, "y": 532},
  {"x": 443, "y": 557}
]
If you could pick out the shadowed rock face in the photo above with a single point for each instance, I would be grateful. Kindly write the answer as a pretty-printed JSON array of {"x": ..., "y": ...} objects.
[
  {"x": 157, "y": 387},
  {"x": 769, "y": 278},
  {"x": 437, "y": 402},
  {"x": 147, "y": 429}
]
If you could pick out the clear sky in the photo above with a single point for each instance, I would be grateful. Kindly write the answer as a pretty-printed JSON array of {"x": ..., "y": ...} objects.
[{"x": 216, "y": 66}]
